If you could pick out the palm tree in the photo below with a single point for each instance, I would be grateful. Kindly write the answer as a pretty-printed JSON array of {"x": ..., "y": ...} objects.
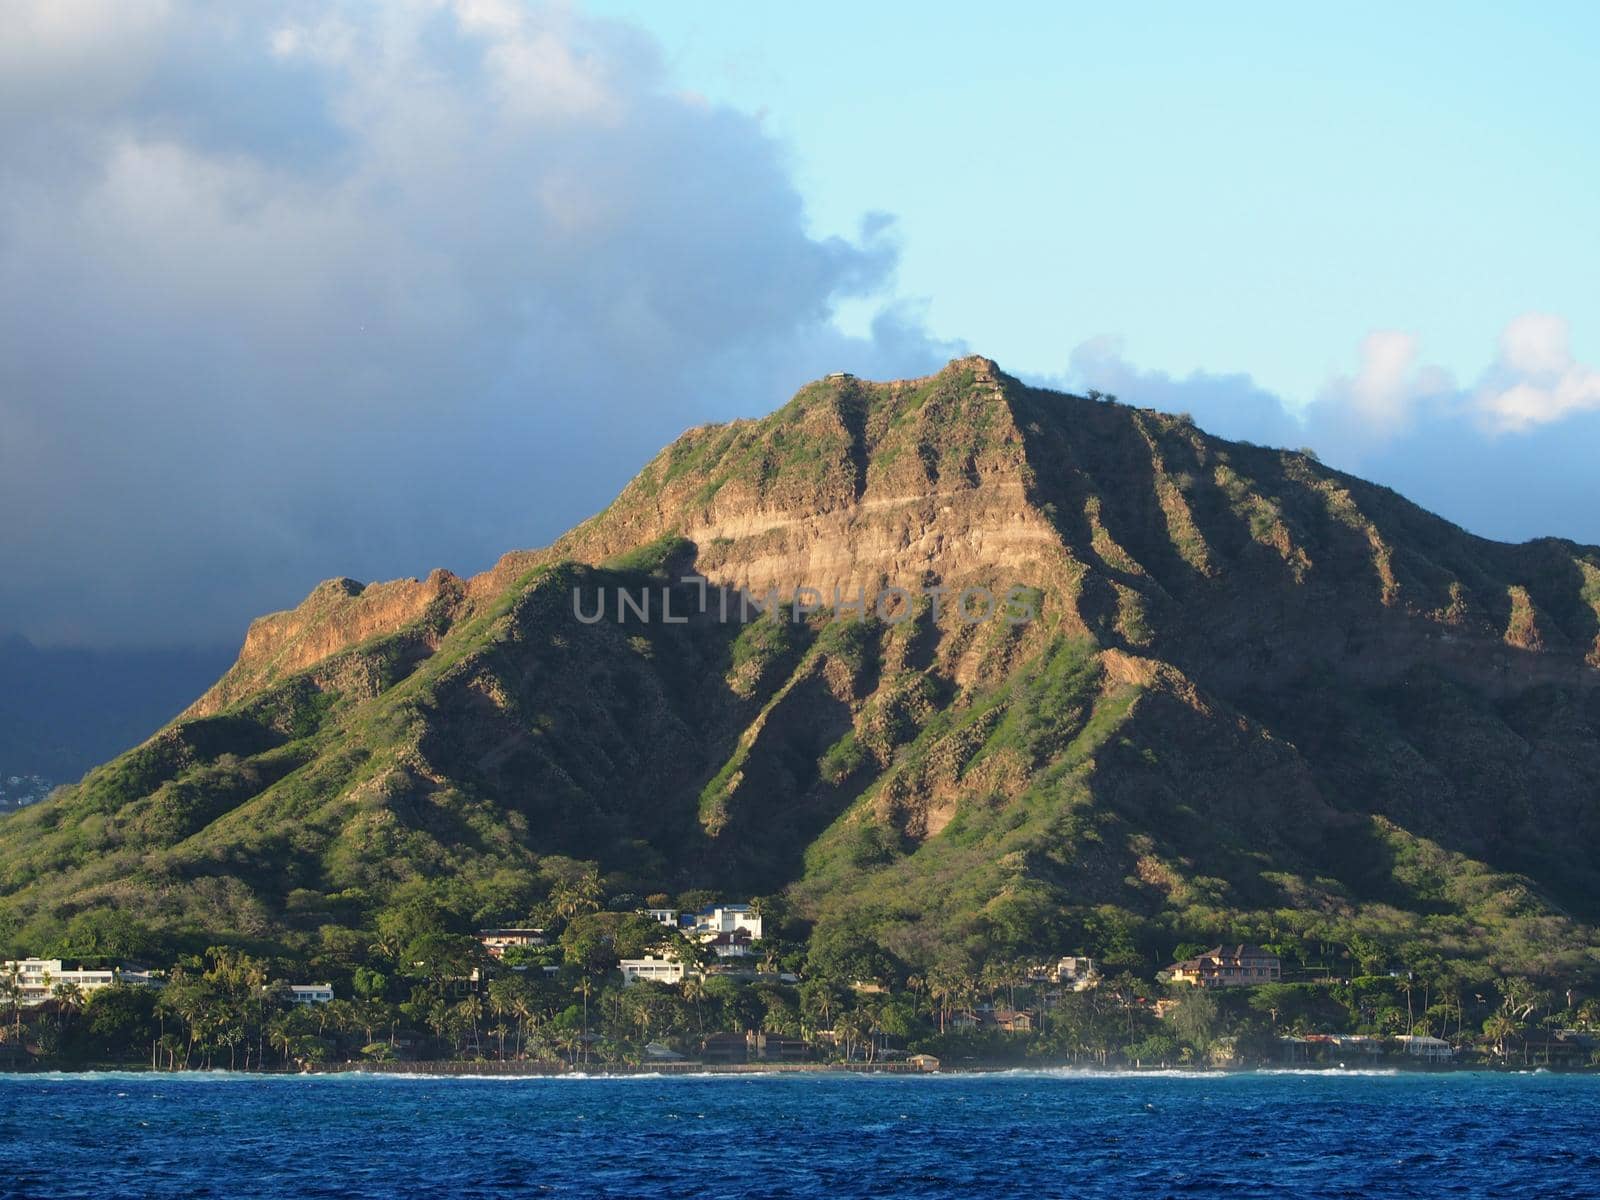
[
  {"x": 848, "y": 1025},
  {"x": 1500, "y": 1027},
  {"x": 281, "y": 1036},
  {"x": 693, "y": 989},
  {"x": 11, "y": 989},
  {"x": 586, "y": 987},
  {"x": 580, "y": 894}
]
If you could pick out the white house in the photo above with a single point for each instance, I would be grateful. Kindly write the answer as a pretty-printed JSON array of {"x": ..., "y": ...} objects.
[
  {"x": 723, "y": 918},
  {"x": 663, "y": 916},
  {"x": 1430, "y": 1048},
  {"x": 652, "y": 970},
  {"x": 38, "y": 978},
  {"x": 1077, "y": 972},
  {"x": 310, "y": 993},
  {"x": 729, "y": 945}
]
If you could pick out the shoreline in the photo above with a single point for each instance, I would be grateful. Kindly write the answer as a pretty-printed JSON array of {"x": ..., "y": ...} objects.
[{"x": 524, "y": 1070}]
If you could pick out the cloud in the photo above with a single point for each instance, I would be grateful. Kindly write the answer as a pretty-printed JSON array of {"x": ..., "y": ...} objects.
[
  {"x": 312, "y": 290},
  {"x": 1535, "y": 381},
  {"x": 1508, "y": 456}
]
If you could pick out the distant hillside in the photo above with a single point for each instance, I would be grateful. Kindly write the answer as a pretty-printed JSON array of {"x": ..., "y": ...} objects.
[
  {"x": 1259, "y": 700},
  {"x": 64, "y": 710}
]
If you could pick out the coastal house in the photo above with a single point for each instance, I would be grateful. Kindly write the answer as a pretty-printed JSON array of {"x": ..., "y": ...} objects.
[
  {"x": 725, "y": 1049},
  {"x": 498, "y": 941},
  {"x": 775, "y": 1047},
  {"x": 310, "y": 993},
  {"x": 1429, "y": 1049},
  {"x": 38, "y": 978},
  {"x": 1357, "y": 1043},
  {"x": 1562, "y": 1047},
  {"x": 922, "y": 1062},
  {"x": 1241, "y": 965},
  {"x": 651, "y": 969}
]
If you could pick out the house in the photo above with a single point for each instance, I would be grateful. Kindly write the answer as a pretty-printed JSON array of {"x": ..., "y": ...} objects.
[
  {"x": 1430, "y": 1049},
  {"x": 725, "y": 1048},
  {"x": 1357, "y": 1043},
  {"x": 722, "y": 918},
  {"x": 1077, "y": 972},
  {"x": 498, "y": 941},
  {"x": 730, "y": 945},
  {"x": 663, "y": 916},
  {"x": 650, "y": 969},
  {"x": 1240, "y": 965},
  {"x": 659, "y": 1052},
  {"x": 1293, "y": 1049},
  {"x": 310, "y": 993},
  {"x": 773, "y": 1047},
  {"x": 1009, "y": 1020},
  {"x": 1565, "y": 1047},
  {"x": 38, "y": 978},
  {"x": 923, "y": 1062}
]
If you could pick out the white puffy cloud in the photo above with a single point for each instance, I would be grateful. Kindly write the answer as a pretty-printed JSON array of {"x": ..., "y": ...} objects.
[
  {"x": 359, "y": 289},
  {"x": 1536, "y": 380}
]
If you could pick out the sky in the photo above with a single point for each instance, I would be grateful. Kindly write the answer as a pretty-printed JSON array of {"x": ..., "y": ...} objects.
[{"x": 292, "y": 291}]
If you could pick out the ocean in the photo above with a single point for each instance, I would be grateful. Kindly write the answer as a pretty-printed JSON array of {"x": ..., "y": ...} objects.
[{"x": 1026, "y": 1134}]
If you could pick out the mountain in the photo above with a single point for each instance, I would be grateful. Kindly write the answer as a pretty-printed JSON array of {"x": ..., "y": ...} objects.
[{"x": 1228, "y": 693}]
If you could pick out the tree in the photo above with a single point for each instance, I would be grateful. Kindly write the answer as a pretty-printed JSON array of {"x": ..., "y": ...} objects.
[
  {"x": 1154, "y": 1047},
  {"x": 369, "y": 984},
  {"x": 11, "y": 991},
  {"x": 1499, "y": 1028},
  {"x": 121, "y": 1018},
  {"x": 1194, "y": 1019},
  {"x": 578, "y": 894},
  {"x": 1272, "y": 999}
]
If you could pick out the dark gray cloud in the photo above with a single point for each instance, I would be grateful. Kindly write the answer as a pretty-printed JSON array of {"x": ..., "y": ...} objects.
[{"x": 367, "y": 289}]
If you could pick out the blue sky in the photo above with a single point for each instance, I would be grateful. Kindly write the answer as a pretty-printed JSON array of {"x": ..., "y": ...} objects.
[
  {"x": 1226, "y": 187},
  {"x": 313, "y": 288}
]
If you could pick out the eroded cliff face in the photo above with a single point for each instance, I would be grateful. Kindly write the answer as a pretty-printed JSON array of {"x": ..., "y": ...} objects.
[
  {"x": 1249, "y": 684},
  {"x": 337, "y": 615},
  {"x": 852, "y": 488},
  {"x": 1142, "y": 530}
]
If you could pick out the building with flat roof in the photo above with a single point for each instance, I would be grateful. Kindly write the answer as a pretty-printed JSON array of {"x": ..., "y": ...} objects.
[
  {"x": 723, "y": 918},
  {"x": 38, "y": 978},
  {"x": 650, "y": 969}
]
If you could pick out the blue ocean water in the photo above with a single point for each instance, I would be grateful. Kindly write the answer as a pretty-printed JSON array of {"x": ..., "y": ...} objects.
[{"x": 1033, "y": 1134}]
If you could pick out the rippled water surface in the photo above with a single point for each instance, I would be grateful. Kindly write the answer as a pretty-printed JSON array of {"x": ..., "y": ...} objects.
[{"x": 1032, "y": 1135}]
